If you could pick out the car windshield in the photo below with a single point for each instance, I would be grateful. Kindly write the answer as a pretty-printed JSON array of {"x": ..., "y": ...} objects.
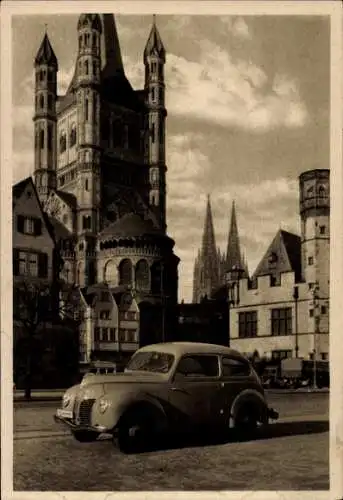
[{"x": 151, "y": 361}]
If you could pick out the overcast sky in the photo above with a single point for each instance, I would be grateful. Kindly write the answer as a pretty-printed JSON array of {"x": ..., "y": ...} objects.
[{"x": 248, "y": 111}]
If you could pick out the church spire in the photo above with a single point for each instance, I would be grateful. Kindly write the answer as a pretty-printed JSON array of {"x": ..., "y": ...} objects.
[
  {"x": 111, "y": 52},
  {"x": 154, "y": 44},
  {"x": 208, "y": 264},
  {"x": 233, "y": 253}
]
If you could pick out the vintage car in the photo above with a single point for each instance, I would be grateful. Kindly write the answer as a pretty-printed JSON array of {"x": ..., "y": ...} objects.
[{"x": 165, "y": 388}]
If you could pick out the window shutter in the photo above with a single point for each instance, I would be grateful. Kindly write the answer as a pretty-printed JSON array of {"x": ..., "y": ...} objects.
[
  {"x": 38, "y": 227},
  {"x": 20, "y": 223},
  {"x": 43, "y": 265},
  {"x": 15, "y": 262}
]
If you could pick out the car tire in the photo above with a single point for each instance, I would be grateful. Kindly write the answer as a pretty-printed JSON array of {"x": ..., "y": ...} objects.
[
  {"x": 135, "y": 431},
  {"x": 85, "y": 436},
  {"x": 246, "y": 421}
]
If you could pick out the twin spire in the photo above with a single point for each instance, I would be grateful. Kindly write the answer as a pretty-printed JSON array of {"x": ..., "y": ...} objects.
[{"x": 210, "y": 265}]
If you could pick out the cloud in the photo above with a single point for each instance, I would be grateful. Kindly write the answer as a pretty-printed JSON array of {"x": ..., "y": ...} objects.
[{"x": 240, "y": 29}]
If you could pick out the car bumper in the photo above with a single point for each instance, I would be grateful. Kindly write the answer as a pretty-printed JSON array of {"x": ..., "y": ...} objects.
[
  {"x": 67, "y": 421},
  {"x": 272, "y": 414}
]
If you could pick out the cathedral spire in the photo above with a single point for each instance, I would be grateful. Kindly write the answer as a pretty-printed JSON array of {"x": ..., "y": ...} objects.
[
  {"x": 233, "y": 253},
  {"x": 207, "y": 268},
  {"x": 46, "y": 54}
]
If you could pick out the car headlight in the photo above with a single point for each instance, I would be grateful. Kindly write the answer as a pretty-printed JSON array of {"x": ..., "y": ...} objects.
[
  {"x": 103, "y": 405},
  {"x": 66, "y": 400}
]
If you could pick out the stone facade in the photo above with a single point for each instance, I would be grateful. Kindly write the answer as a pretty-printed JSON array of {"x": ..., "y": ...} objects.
[{"x": 100, "y": 168}]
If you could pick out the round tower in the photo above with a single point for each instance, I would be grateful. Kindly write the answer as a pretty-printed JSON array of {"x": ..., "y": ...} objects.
[
  {"x": 315, "y": 228},
  {"x": 46, "y": 68},
  {"x": 154, "y": 61},
  {"x": 88, "y": 145}
]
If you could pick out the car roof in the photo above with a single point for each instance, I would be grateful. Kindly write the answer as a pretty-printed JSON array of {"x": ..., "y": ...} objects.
[{"x": 181, "y": 348}]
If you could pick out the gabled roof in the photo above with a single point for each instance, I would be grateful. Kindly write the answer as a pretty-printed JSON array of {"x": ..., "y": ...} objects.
[
  {"x": 19, "y": 188},
  {"x": 45, "y": 54},
  {"x": 283, "y": 255}
]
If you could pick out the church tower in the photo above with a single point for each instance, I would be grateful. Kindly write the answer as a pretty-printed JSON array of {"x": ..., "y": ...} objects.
[
  {"x": 154, "y": 61},
  {"x": 206, "y": 269},
  {"x": 315, "y": 228},
  {"x": 234, "y": 258},
  {"x": 46, "y": 68},
  {"x": 87, "y": 90}
]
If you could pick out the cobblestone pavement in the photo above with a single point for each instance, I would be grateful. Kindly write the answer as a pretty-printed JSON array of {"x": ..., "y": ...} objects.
[{"x": 291, "y": 455}]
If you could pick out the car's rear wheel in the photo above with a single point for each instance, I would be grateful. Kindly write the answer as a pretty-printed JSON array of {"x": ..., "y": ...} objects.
[
  {"x": 85, "y": 436},
  {"x": 136, "y": 430},
  {"x": 246, "y": 421}
]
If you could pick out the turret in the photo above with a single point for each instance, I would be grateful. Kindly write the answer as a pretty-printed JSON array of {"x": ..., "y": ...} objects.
[
  {"x": 315, "y": 227},
  {"x": 88, "y": 158},
  {"x": 154, "y": 61},
  {"x": 46, "y": 68}
]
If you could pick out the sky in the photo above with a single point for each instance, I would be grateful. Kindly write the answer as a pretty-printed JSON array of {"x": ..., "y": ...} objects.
[{"x": 248, "y": 111}]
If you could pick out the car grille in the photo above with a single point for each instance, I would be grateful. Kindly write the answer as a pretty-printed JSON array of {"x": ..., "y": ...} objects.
[{"x": 82, "y": 411}]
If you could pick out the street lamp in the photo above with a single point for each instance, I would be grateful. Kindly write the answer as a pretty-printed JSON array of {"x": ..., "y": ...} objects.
[{"x": 316, "y": 314}]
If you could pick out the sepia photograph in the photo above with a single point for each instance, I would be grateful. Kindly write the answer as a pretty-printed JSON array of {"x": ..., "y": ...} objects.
[{"x": 170, "y": 314}]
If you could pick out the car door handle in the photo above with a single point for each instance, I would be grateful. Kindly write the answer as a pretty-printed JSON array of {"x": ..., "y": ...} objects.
[{"x": 177, "y": 389}]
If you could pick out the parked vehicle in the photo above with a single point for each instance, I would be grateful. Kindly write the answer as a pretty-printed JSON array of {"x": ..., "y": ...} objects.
[
  {"x": 299, "y": 372},
  {"x": 166, "y": 388}
]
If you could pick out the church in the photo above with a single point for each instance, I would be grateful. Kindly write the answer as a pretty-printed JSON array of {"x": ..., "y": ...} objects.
[
  {"x": 282, "y": 310},
  {"x": 100, "y": 171}
]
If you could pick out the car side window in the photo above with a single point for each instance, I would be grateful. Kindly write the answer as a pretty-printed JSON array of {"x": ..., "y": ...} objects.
[
  {"x": 198, "y": 366},
  {"x": 235, "y": 367}
]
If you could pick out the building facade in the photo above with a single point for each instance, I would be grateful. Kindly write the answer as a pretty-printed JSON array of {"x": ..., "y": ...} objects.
[
  {"x": 100, "y": 169},
  {"x": 283, "y": 310}
]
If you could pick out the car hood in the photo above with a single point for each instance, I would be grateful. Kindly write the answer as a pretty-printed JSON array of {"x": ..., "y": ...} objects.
[{"x": 125, "y": 378}]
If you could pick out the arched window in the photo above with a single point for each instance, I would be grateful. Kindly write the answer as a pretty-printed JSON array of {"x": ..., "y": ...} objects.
[
  {"x": 322, "y": 191},
  {"x": 49, "y": 137},
  {"x": 156, "y": 278},
  {"x": 63, "y": 142},
  {"x": 142, "y": 275},
  {"x": 49, "y": 102},
  {"x": 110, "y": 272},
  {"x": 41, "y": 139},
  {"x": 72, "y": 136},
  {"x": 41, "y": 101},
  {"x": 125, "y": 272},
  {"x": 86, "y": 185},
  {"x": 86, "y": 67},
  {"x": 86, "y": 109},
  {"x": 310, "y": 192},
  {"x": 94, "y": 40}
]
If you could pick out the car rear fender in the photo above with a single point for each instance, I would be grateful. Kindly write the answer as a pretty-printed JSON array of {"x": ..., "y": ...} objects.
[{"x": 249, "y": 397}]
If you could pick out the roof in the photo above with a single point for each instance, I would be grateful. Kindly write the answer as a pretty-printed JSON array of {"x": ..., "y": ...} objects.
[
  {"x": 60, "y": 231},
  {"x": 19, "y": 187},
  {"x": 67, "y": 198},
  {"x": 181, "y": 348},
  {"x": 45, "y": 54},
  {"x": 292, "y": 243},
  {"x": 130, "y": 225},
  {"x": 154, "y": 44},
  {"x": 287, "y": 249}
]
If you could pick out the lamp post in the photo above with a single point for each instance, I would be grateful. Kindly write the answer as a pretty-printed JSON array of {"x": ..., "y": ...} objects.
[
  {"x": 232, "y": 278},
  {"x": 296, "y": 297},
  {"x": 316, "y": 315}
]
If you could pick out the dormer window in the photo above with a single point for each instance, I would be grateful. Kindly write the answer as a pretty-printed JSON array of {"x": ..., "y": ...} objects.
[{"x": 273, "y": 258}]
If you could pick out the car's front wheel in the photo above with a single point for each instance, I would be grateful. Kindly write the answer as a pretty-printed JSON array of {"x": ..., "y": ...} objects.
[
  {"x": 136, "y": 430},
  {"x": 85, "y": 436}
]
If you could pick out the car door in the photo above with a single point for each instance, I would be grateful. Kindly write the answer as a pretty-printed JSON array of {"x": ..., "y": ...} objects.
[
  {"x": 193, "y": 389},
  {"x": 235, "y": 377}
]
